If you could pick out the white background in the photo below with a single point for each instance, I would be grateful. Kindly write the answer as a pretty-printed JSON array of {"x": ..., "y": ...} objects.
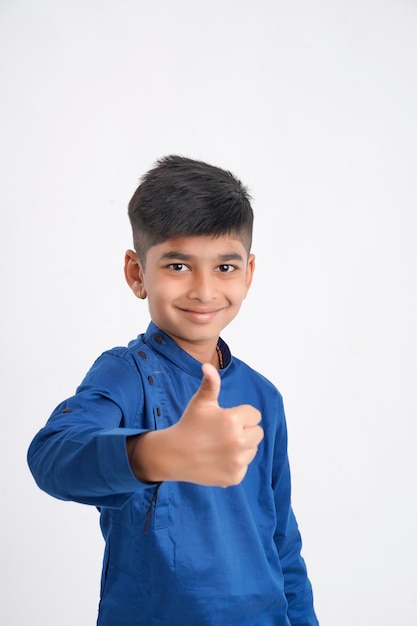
[{"x": 313, "y": 103}]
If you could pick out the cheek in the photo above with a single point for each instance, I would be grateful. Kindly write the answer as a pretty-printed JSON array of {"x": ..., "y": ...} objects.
[
  {"x": 159, "y": 290},
  {"x": 235, "y": 294}
]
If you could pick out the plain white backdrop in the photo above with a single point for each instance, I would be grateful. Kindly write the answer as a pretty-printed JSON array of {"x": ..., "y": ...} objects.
[{"x": 313, "y": 105}]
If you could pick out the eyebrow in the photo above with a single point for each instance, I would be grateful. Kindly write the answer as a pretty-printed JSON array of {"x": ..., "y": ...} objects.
[{"x": 181, "y": 256}]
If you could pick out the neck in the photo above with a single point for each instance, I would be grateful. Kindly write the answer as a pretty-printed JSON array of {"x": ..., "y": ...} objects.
[{"x": 203, "y": 352}]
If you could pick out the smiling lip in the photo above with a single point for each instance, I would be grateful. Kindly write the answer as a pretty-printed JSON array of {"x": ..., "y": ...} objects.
[{"x": 200, "y": 315}]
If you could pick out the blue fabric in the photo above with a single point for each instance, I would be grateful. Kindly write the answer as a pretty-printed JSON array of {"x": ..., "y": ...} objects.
[{"x": 177, "y": 553}]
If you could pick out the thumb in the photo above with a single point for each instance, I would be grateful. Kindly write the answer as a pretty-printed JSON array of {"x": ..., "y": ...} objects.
[{"x": 210, "y": 386}]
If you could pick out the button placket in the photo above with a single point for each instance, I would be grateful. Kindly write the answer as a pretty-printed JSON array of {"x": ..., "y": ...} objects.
[
  {"x": 145, "y": 363},
  {"x": 161, "y": 502}
]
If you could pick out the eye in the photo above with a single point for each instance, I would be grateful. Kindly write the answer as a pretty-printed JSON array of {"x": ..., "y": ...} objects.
[
  {"x": 178, "y": 267},
  {"x": 226, "y": 268}
]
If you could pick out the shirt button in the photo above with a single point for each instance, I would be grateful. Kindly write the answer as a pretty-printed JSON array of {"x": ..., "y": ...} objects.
[
  {"x": 158, "y": 338},
  {"x": 150, "y": 379},
  {"x": 142, "y": 354}
]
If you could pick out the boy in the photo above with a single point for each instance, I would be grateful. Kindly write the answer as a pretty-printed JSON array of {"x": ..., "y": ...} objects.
[{"x": 190, "y": 474}]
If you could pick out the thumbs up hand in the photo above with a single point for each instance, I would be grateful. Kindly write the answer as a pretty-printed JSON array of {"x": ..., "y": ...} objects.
[
  {"x": 218, "y": 444},
  {"x": 209, "y": 445}
]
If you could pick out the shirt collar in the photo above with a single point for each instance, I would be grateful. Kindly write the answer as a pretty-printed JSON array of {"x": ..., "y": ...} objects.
[{"x": 162, "y": 343}]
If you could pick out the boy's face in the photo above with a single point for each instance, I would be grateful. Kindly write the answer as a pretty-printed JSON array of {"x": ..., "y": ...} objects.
[{"x": 195, "y": 286}]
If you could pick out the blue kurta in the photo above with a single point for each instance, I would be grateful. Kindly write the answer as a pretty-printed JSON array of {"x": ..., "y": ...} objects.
[{"x": 177, "y": 553}]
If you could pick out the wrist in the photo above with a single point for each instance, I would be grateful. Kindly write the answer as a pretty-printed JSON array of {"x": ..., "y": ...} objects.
[{"x": 149, "y": 456}]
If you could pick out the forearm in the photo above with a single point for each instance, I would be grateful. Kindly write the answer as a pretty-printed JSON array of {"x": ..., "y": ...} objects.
[
  {"x": 168, "y": 454},
  {"x": 151, "y": 457},
  {"x": 214, "y": 449},
  {"x": 80, "y": 454},
  {"x": 298, "y": 589},
  {"x": 288, "y": 542},
  {"x": 88, "y": 467}
]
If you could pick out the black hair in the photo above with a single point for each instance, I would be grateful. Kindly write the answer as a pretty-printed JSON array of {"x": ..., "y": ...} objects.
[{"x": 182, "y": 197}]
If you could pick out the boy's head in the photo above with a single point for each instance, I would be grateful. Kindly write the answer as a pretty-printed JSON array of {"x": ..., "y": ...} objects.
[{"x": 182, "y": 197}]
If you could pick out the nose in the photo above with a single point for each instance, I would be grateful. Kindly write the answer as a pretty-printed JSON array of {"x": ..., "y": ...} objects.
[{"x": 202, "y": 287}]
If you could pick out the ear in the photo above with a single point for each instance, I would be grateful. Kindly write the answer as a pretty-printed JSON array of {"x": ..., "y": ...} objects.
[
  {"x": 134, "y": 274},
  {"x": 249, "y": 272}
]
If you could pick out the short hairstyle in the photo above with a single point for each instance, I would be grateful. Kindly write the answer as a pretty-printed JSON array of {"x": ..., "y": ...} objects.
[{"x": 182, "y": 197}]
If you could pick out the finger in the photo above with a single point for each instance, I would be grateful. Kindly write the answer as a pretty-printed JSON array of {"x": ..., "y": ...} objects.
[
  {"x": 210, "y": 386},
  {"x": 247, "y": 414},
  {"x": 253, "y": 436}
]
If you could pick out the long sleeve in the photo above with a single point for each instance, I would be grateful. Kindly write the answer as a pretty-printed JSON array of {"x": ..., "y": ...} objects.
[
  {"x": 297, "y": 586},
  {"x": 80, "y": 454}
]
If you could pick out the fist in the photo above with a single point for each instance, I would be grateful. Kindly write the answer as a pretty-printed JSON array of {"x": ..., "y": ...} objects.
[{"x": 215, "y": 445}]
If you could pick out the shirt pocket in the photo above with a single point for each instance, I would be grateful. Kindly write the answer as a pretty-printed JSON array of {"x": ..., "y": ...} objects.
[{"x": 158, "y": 509}]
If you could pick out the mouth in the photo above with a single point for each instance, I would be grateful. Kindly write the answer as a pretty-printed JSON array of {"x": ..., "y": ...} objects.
[{"x": 200, "y": 315}]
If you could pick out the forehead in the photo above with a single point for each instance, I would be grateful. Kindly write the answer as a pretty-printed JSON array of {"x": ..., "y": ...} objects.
[{"x": 199, "y": 247}]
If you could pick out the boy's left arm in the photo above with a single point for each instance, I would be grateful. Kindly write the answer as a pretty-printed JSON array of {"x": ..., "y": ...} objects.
[
  {"x": 298, "y": 590},
  {"x": 297, "y": 585}
]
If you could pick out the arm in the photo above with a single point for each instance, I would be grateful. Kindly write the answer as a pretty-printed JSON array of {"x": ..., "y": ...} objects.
[
  {"x": 99, "y": 446},
  {"x": 287, "y": 538},
  {"x": 80, "y": 454},
  {"x": 209, "y": 445}
]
